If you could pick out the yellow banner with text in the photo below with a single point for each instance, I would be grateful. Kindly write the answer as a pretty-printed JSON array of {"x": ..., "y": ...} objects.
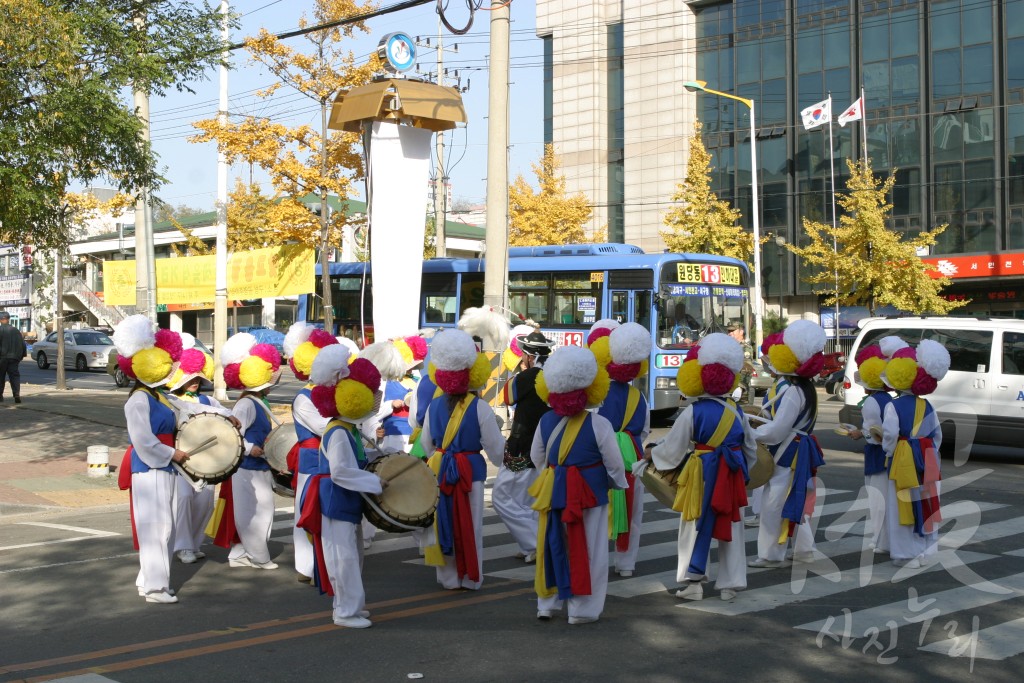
[{"x": 275, "y": 271}]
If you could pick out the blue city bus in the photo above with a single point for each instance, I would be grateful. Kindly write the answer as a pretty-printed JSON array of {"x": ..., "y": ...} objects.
[{"x": 565, "y": 289}]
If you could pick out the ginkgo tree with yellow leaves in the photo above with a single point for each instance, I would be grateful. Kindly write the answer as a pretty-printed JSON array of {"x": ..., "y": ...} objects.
[
  {"x": 702, "y": 223},
  {"x": 546, "y": 216},
  {"x": 300, "y": 160},
  {"x": 862, "y": 262}
]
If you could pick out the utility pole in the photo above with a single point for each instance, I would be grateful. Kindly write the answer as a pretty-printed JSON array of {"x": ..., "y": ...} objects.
[
  {"x": 58, "y": 316},
  {"x": 440, "y": 177},
  {"x": 495, "y": 270},
  {"x": 220, "y": 301},
  {"x": 145, "y": 268}
]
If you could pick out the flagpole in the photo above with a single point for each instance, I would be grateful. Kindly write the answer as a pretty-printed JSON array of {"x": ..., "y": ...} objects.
[
  {"x": 864, "y": 125},
  {"x": 835, "y": 242}
]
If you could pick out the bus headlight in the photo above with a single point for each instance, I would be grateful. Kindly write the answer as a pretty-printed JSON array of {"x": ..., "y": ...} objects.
[{"x": 664, "y": 382}]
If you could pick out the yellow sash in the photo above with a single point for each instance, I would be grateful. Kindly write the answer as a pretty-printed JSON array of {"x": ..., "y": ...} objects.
[
  {"x": 414, "y": 438},
  {"x": 903, "y": 471},
  {"x": 541, "y": 489},
  {"x": 690, "y": 484},
  {"x": 618, "y": 515},
  {"x": 432, "y": 555}
]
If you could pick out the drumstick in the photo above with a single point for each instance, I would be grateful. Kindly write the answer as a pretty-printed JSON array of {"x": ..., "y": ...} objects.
[
  {"x": 202, "y": 447},
  {"x": 408, "y": 466}
]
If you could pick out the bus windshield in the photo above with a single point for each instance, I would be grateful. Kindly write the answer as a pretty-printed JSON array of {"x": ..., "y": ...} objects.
[{"x": 688, "y": 310}]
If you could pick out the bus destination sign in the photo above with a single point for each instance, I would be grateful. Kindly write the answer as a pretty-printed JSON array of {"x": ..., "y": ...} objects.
[{"x": 708, "y": 273}]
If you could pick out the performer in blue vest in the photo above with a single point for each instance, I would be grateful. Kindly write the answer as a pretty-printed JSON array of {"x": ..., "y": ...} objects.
[
  {"x": 579, "y": 460},
  {"x": 911, "y": 438},
  {"x": 871, "y": 362},
  {"x": 458, "y": 429},
  {"x": 795, "y": 355},
  {"x": 629, "y": 348},
  {"x": 150, "y": 358},
  {"x": 332, "y": 509},
  {"x": 713, "y": 440},
  {"x": 254, "y": 369},
  {"x": 302, "y": 344}
]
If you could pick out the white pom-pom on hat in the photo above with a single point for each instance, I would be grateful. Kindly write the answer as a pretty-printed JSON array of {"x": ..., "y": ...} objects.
[
  {"x": 187, "y": 341},
  {"x": 452, "y": 350},
  {"x": 353, "y": 348},
  {"x": 297, "y": 335},
  {"x": 720, "y": 348},
  {"x": 519, "y": 331},
  {"x": 933, "y": 358},
  {"x": 804, "y": 339},
  {"x": 629, "y": 343},
  {"x": 330, "y": 366},
  {"x": 891, "y": 344},
  {"x": 569, "y": 368},
  {"x": 236, "y": 349},
  {"x": 133, "y": 334},
  {"x": 603, "y": 324},
  {"x": 387, "y": 359}
]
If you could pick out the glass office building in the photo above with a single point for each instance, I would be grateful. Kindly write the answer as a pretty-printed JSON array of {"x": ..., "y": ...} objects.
[{"x": 944, "y": 98}]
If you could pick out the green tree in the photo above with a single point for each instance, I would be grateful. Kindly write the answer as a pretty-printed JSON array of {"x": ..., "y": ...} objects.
[
  {"x": 703, "y": 223},
  {"x": 547, "y": 216},
  {"x": 862, "y": 262},
  {"x": 166, "y": 212},
  {"x": 64, "y": 68}
]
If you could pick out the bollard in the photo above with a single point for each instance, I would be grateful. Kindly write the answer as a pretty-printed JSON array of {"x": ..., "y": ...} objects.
[{"x": 98, "y": 460}]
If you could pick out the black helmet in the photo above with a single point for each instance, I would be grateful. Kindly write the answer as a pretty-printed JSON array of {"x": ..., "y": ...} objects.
[{"x": 535, "y": 343}]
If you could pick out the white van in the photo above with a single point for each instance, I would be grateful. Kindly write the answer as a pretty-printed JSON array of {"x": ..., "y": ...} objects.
[{"x": 981, "y": 399}]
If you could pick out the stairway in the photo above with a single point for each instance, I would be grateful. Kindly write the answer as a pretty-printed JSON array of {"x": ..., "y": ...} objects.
[{"x": 105, "y": 314}]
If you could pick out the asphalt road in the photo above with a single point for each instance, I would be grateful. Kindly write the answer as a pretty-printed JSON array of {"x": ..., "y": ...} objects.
[{"x": 69, "y": 605}]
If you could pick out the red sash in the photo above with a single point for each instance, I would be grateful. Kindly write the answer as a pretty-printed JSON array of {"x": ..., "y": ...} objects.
[
  {"x": 312, "y": 522},
  {"x": 578, "y": 497},
  {"x": 124, "y": 480},
  {"x": 227, "y": 533},
  {"x": 462, "y": 517},
  {"x": 293, "y": 459},
  {"x": 727, "y": 499}
]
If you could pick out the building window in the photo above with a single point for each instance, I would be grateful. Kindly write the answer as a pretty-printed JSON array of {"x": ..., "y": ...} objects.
[{"x": 549, "y": 80}]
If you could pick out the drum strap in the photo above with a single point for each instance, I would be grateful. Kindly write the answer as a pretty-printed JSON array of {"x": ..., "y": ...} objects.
[{"x": 262, "y": 403}]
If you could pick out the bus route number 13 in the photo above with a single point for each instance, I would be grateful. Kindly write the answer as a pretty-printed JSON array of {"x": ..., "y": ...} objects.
[{"x": 573, "y": 339}]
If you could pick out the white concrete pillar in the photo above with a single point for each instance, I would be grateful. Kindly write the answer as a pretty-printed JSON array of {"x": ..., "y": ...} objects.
[
  {"x": 269, "y": 312},
  {"x": 176, "y": 322}
]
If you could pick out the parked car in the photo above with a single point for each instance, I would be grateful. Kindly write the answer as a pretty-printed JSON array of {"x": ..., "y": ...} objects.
[
  {"x": 84, "y": 350},
  {"x": 123, "y": 380},
  {"x": 760, "y": 379},
  {"x": 834, "y": 385}
]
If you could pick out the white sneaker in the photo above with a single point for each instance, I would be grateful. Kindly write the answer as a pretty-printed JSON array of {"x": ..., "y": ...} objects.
[
  {"x": 199, "y": 554},
  {"x": 804, "y": 558},
  {"x": 242, "y": 561},
  {"x": 544, "y": 614},
  {"x": 263, "y": 565},
  {"x": 761, "y": 563},
  {"x": 693, "y": 591},
  {"x": 752, "y": 522},
  {"x": 187, "y": 556},
  {"x": 912, "y": 563},
  {"x": 530, "y": 558},
  {"x": 142, "y": 591},
  {"x": 727, "y": 594},
  {"x": 353, "y": 622},
  {"x": 575, "y": 621},
  {"x": 162, "y": 597},
  {"x": 626, "y": 573},
  {"x": 364, "y": 613}
]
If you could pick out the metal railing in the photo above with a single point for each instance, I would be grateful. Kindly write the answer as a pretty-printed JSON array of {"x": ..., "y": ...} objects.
[{"x": 111, "y": 315}]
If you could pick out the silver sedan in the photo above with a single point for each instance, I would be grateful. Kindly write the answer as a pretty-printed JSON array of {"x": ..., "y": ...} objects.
[{"x": 84, "y": 350}]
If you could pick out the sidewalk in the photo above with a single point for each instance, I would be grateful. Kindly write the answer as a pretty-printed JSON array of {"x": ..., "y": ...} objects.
[{"x": 44, "y": 444}]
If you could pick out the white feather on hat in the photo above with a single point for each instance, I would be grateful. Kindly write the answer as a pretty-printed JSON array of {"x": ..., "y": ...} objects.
[
  {"x": 804, "y": 339},
  {"x": 891, "y": 344},
  {"x": 569, "y": 368},
  {"x": 187, "y": 341},
  {"x": 387, "y": 359},
  {"x": 452, "y": 350},
  {"x": 603, "y": 324},
  {"x": 933, "y": 358},
  {"x": 236, "y": 349},
  {"x": 297, "y": 335},
  {"x": 133, "y": 334},
  {"x": 353, "y": 348},
  {"x": 720, "y": 348},
  {"x": 630, "y": 343},
  {"x": 491, "y": 326},
  {"x": 330, "y": 365}
]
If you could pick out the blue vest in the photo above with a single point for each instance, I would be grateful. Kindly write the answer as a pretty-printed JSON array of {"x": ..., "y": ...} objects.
[
  {"x": 874, "y": 454},
  {"x": 707, "y": 413},
  {"x": 424, "y": 395},
  {"x": 803, "y": 422},
  {"x": 162, "y": 420},
  {"x": 205, "y": 400},
  {"x": 395, "y": 391},
  {"x": 584, "y": 454},
  {"x": 309, "y": 458},
  {"x": 337, "y": 502},
  {"x": 614, "y": 409},
  {"x": 256, "y": 434},
  {"x": 467, "y": 439}
]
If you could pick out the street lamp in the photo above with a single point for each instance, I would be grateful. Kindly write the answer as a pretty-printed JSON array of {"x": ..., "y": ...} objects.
[
  {"x": 780, "y": 245},
  {"x": 700, "y": 86}
]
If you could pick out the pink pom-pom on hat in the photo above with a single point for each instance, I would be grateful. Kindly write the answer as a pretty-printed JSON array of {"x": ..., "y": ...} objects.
[
  {"x": 125, "y": 363},
  {"x": 192, "y": 361},
  {"x": 321, "y": 338},
  {"x": 418, "y": 346},
  {"x": 267, "y": 353},
  {"x": 170, "y": 342}
]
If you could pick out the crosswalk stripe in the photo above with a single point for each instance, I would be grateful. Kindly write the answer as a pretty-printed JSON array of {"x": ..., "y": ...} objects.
[
  {"x": 995, "y": 642},
  {"x": 938, "y": 604}
]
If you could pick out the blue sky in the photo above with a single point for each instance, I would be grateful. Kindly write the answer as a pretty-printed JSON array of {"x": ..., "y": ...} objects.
[{"x": 191, "y": 169}]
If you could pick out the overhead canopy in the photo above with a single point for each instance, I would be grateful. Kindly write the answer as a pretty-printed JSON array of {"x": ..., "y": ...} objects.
[{"x": 416, "y": 103}]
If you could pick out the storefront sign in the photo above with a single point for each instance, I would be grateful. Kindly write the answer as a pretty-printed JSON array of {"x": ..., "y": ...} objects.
[
  {"x": 979, "y": 265},
  {"x": 14, "y": 290}
]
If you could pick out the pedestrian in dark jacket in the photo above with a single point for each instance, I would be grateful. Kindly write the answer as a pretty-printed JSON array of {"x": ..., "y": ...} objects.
[{"x": 12, "y": 350}]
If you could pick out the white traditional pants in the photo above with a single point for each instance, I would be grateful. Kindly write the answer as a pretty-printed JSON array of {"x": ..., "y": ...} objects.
[
  {"x": 343, "y": 554},
  {"x": 904, "y": 544},
  {"x": 627, "y": 561},
  {"x": 772, "y": 500},
  {"x": 732, "y": 557},
  {"x": 448, "y": 575},
  {"x": 512, "y": 502},
  {"x": 874, "y": 487},
  {"x": 153, "y": 507},
  {"x": 303, "y": 546},
  {"x": 192, "y": 511},
  {"x": 595, "y": 522},
  {"x": 253, "y": 500}
]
